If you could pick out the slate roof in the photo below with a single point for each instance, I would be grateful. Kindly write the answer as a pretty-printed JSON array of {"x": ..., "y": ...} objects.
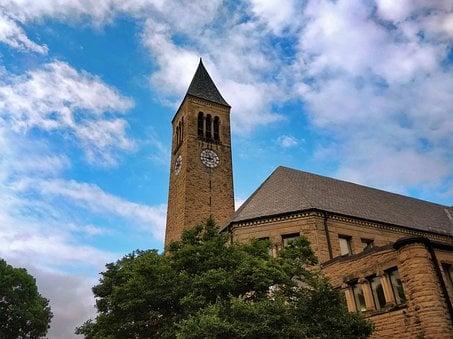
[
  {"x": 203, "y": 87},
  {"x": 288, "y": 190}
]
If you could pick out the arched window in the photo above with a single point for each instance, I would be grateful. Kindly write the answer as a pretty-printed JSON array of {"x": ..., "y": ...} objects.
[
  {"x": 216, "y": 129},
  {"x": 208, "y": 127},
  {"x": 200, "y": 125},
  {"x": 182, "y": 130}
]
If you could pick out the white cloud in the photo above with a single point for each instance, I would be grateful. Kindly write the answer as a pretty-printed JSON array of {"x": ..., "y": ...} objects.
[
  {"x": 383, "y": 94},
  {"x": 174, "y": 62},
  {"x": 93, "y": 198},
  {"x": 239, "y": 61},
  {"x": 14, "y": 36},
  {"x": 276, "y": 14},
  {"x": 56, "y": 97},
  {"x": 379, "y": 89},
  {"x": 287, "y": 141},
  {"x": 385, "y": 166},
  {"x": 394, "y": 10},
  {"x": 185, "y": 15},
  {"x": 398, "y": 11},
  {"x": 52, "y": 226},
  {"x": 71, "y": 301},
  {"x": 341, "y": 37},
  {"x": 70, "y": 298},
  {"x": 238, "y": 202}
]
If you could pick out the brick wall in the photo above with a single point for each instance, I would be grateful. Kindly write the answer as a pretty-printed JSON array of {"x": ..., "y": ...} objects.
[{"x": 424, "y": 314}]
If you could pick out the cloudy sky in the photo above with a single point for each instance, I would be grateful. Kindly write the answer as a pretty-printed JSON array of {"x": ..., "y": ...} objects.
[{"x": 359, "y": 90}]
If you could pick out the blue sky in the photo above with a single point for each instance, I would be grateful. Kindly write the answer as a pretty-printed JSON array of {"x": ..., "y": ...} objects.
[{"x": 357, "y": 90}]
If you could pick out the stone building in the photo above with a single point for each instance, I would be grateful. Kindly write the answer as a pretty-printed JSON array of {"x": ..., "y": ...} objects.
[{"x": 391, "y": 255}]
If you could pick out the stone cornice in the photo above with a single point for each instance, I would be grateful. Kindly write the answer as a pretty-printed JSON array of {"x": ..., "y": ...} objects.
[
  {"x": 271, "y": 219},
  {"x": 343, "y": 218}
]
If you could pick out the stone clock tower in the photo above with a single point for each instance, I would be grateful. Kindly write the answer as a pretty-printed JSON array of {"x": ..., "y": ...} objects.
[{"x": 201, "y": 175}]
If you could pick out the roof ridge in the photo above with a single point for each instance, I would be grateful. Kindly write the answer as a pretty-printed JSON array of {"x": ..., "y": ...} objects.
[{"x": 363, "y": 186}]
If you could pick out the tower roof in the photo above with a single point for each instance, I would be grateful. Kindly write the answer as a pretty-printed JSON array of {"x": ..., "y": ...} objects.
[{"x": 203, "y": 87}]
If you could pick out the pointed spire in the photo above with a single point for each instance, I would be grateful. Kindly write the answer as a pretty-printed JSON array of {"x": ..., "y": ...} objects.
[{"x": 203, "y": 87}]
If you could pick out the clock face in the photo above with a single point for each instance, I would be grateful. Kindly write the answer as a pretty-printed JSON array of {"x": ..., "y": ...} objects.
[
  {"x": 178, "y": 163},
  {"x": 209, "y": 158}
]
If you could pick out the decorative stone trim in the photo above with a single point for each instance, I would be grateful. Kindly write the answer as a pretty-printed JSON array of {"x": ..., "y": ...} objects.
[
  {"x": 389, "y": 227},
  {"x": 350, "y": 303},
  {"x": 266, "y": 220},
  {"x": 342, "y": 218},
  {"x": 386, "y": 309},
  {"x": 388, "y": 293}
]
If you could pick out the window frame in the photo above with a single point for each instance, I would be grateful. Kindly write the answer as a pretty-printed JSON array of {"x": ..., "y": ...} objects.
[
  {"x": 448, "y": 273},
  {"x": 348, "y": 240},
  {"x": 216, "y": 129},
  {"x": 355, "y": 286},
  {"x": 378, "y": 304},
  {"x": 200, "y": 125},
  {"x": 208, "y": 131},
  {"x": 396, "y": 296},
  {"x": 369, "y": 244},
  {"x": 288, "y": 237}
]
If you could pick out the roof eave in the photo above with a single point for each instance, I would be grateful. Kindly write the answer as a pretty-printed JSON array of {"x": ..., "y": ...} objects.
[{"x": 232, "y": 222}]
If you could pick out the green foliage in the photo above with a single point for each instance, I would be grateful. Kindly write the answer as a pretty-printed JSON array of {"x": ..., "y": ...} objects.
[
  {"x": 207, "y": 287},
  {"x": 24, "y": 313}
]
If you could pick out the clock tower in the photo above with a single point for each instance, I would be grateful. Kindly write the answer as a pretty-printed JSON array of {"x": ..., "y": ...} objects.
[{"x": 201, "y": 175}]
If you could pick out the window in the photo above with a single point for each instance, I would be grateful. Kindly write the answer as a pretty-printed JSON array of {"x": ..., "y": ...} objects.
[
  {"x": 367, "y": 244},
  {"x": 378, "y": 292},
  {"x": 448, "y": 271},
  {"x": 289, "y": 238},
  {"x": 216, "y": 129},
  {"x": 397, "y": 285},
  {"x": 209, "y": 127},
  {"x": 359, "y": 299},
  {"x": 345, "y": 245},
  {"x": 182, "y": 130},
  {"x": 200, "y": 124}
]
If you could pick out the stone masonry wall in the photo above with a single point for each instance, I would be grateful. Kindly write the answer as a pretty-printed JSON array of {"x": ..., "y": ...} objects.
[
  {"x": 423, "y": 315},
  {"x": 425, "y": 312},
  {"x": 426, "y": 301},
  {"x": 197, "y": 192}
]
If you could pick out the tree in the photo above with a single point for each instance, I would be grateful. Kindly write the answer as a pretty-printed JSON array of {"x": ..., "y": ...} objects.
[
  {"x": 207, "y": 287},
  {"x": 24, "y": 313}
]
